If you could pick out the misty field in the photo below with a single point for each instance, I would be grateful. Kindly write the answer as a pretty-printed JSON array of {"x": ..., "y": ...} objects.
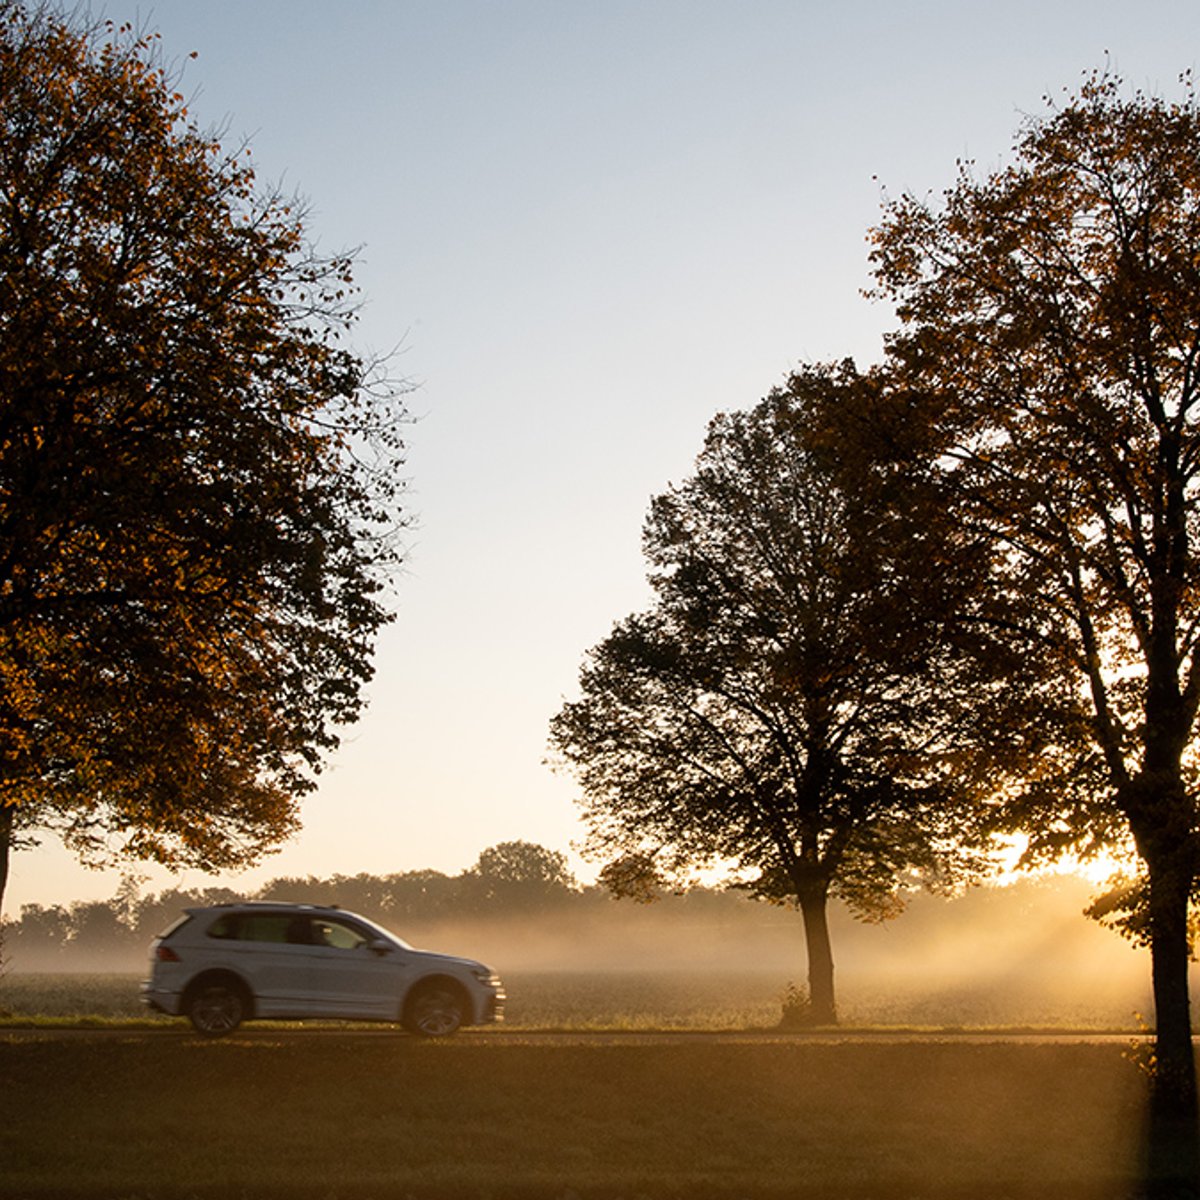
[
  {"x": 1017, "y": 956},
  {"x": 662, "y": 1000},
  {"x": 154, "y": 1115},
  {"x": 546, "y": 1000}
]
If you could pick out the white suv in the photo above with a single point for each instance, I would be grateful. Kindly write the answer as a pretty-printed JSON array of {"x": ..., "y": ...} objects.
[{"x": 230, "y": 963}]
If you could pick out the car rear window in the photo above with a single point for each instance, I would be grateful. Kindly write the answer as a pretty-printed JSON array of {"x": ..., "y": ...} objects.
[{"x": 175, "y": 926}]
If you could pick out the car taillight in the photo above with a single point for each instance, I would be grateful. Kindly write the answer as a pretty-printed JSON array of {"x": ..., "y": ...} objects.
[{"x": 166, "y": 954}]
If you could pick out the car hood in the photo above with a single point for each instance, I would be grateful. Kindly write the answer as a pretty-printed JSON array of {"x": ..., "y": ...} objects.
[{"x": 451, "y": 960}]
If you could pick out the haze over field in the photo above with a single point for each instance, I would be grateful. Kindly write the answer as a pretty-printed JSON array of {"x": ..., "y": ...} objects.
[
  {"x": 588, "y": 228},
  {"x": 1002, "y": 956}
]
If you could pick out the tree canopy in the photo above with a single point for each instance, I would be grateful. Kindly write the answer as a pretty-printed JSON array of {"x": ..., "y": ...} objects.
[
  {"x": 783, "y": 706},
  {"x": 1051, "y": 324},
  {"x": 518, "y": 874},
  {"x": 198, "y": 497}
]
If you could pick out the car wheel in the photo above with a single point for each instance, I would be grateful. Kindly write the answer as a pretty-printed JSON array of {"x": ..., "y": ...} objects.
[
  {"x": 435, "y": 1010},
  {"x": 216, "y": 1009}
]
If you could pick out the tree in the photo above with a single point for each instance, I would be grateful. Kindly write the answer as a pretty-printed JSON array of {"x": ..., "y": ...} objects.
[
  {"x": 780, "y": 707},
  {"x": 40, "y": 933},
  {"x": 153, "y": 914},
  {"x": 422, "y": 895},
  {"x": 198, "y": 503},
  {"x": 516, "y": 876},
  {"x": 1051, "y": 319},
  {"x": 98, "y": 929}
]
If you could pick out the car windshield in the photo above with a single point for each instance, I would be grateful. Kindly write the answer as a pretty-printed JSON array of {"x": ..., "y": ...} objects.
[{"x": 387, "y": 933}]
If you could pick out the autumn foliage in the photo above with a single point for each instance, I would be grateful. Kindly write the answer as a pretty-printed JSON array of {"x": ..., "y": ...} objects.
[
  {"x": 784, "y": 710},
  {"x": 197, "y": 492},
  {"x": 1051, "y": 325}
]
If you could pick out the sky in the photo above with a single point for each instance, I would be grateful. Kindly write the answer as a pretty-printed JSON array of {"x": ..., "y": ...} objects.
[{"x": 585, "y": 228}]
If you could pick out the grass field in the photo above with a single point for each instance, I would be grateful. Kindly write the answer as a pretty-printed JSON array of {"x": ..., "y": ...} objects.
[
  {"x": 154, "y": 1113},
  {"x": 162, "y": 1116}
]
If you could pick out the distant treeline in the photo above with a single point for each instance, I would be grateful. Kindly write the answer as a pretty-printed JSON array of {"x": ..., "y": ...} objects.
[
  {"x": 509, "y": 880},
  {"x": 520, "y": 904}
]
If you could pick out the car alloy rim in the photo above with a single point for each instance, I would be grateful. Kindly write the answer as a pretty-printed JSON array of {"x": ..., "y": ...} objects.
[
  {"x": 438, "y": 1013},
  {"x": 217, "y": 1009}
]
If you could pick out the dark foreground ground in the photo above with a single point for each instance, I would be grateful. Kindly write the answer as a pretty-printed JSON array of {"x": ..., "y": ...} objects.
[{"x": 161, "y": 1115}]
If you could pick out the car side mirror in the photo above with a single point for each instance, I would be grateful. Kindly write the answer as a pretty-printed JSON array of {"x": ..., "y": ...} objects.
[{"x": 380, "y": 947}]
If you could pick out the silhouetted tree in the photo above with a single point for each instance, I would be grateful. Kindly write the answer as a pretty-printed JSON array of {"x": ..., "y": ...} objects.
[
  {"x": 424, "y": 895},
  {"x": 783, "y": 705},
  {"x": 516, "y": 876},
  {"x": 197, "y": 494},
  {"x": 42, "y": 931},
  {"x": 412, "y": 895},
  {"x": 370, "y": 895},
  {"x": 153, "y": 914},
  {"x": 294, "y": 889},
  {"x": 97, "y": 929},
  {"x": 633, "y": 876},
  {"x": 1051, "y": 318}
]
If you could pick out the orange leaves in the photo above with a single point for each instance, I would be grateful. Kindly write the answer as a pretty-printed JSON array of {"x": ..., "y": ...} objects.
[{"x": 192, "y": 537}]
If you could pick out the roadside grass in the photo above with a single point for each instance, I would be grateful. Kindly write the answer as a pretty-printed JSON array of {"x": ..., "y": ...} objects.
[{"x": 143, "y": 1116}]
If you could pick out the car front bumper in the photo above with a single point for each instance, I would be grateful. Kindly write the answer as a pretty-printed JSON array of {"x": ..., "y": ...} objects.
[{"x": 493, "y": 1008}]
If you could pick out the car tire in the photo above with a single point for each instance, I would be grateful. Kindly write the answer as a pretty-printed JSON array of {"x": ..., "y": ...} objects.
[
  {"x": 217, "y": 1008},
  {"x": 435, "y": 1009}
]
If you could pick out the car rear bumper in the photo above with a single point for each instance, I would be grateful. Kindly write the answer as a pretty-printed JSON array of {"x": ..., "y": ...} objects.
[{"x": 159, "y": 1000}]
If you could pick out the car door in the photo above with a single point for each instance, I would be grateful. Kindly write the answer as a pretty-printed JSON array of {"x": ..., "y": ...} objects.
[
  {"x": 269, "y": 950},
  {"x": 349, "y": 975}
]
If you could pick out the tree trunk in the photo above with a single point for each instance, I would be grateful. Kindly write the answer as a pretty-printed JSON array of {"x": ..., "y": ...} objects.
[
  {"x": 7, "y": 816},
  {"x": 1174, "y": 1091},
  {"x": 813, "y": 908},
  {"x": 1160, "y": 817},
  {"x": 1173, "y": 1128}
]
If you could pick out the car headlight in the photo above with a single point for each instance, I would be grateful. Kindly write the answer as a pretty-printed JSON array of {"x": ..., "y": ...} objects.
[{"x": 486, "y": 976}]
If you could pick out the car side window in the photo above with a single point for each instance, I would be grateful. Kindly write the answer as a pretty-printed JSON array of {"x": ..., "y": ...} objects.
[
  {"x": 264, "y": 927},
  {"x": 338, "y": 934},
  {"x": 288, "y": 928},
  {"x": 253, "y": 927}
]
